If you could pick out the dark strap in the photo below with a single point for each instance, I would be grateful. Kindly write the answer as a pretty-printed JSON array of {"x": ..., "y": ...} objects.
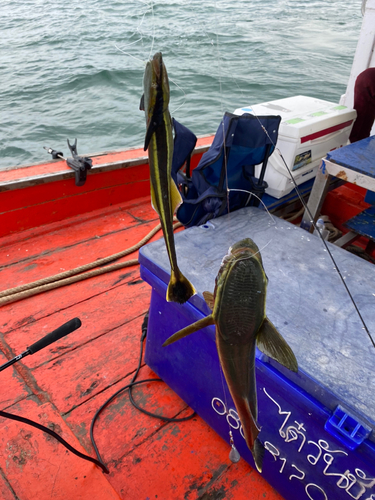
[{"x": 184, "y": 144}]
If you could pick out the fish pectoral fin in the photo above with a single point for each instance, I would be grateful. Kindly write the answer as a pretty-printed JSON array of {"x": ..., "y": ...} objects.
[
  {"x": 142, "y": 103},
  {"x": 176, "y": 199},
  {"x": 198, "y": 325},
  {"x": 149, "y": 133},
  {"x": 209, "y": 298},
  {"x": 271, "y": 343}
]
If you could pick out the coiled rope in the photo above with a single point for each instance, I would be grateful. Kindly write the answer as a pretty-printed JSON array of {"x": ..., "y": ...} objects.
[{"x": 78, "y": 274}]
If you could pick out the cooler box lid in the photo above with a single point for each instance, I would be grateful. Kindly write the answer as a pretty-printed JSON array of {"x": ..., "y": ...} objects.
[
  {"x": 306, "y": 300},
  {"x": 304, "y": 118}
]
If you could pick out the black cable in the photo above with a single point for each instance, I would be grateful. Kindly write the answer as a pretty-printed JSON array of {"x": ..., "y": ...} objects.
[
  {"x": 146, "y": 412},
  {"x": 130, "y": 386},
  {"x": 56, "y": 436}
]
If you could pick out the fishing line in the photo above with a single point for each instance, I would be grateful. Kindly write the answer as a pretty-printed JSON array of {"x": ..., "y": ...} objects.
[
  {"x": 225, "y": 159},
  {"x": 142, "y": 34},
  {"x": 221, "y": 104},
  {"x": 266, "y": 245},
  {"x": 128, "y": 54},
  {"x": 182, "y": 90},
  {"x": 153, "y": 28},
  {"x": 336, "y": 268},
  {"x": 258, "y": 198},
  {"x": 144, "y": 64},
  {"x": 234, "y": 455}
]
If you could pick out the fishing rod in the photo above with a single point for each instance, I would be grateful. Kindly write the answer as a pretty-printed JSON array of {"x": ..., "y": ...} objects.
[
  {"x": 318, "y": 230},
  {"x": 304, "y": 204},
  {"x": 47, "y": 340}
]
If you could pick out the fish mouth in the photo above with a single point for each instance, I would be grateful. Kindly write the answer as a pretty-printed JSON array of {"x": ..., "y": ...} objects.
[
  {"x": 157, "y": 64},
  {"x": 245, "y": 247}
]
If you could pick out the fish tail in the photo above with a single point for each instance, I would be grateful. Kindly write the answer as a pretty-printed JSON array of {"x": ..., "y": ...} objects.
[
  {"x": 251, "y": 430},
  {"x": 179, "y": 289},
  {"x": 258, "y": 454}
]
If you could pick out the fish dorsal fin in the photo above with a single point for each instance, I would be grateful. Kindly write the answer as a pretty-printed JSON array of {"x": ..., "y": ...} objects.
[
  {"x": 176, "y": 199},
  {"x": 198, "y": 325},
  {"x": 209, "y": 298},
  {"x": 142, "y": 103},
  {"x": 271, "y": 343}
]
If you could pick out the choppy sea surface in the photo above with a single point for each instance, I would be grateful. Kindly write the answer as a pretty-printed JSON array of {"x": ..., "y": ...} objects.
[{"x": 75, "y": 69}]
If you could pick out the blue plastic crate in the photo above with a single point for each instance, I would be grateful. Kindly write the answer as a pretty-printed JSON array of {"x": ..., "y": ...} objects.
[{"x": 318, "y": 425}]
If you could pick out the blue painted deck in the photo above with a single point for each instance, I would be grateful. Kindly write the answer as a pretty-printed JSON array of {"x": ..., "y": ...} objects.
[
  {"x": 363, "y": 223},
  {"x": 359, "y": 156}
]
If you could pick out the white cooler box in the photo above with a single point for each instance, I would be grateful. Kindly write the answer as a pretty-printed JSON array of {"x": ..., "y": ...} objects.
[{"x": 309, "y": 129}]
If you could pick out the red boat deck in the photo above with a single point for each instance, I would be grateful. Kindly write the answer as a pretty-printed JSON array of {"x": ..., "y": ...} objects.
[{"x": 63, "y": 385}]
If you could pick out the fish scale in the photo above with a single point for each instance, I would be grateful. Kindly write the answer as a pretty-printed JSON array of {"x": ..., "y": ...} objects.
[{"x": 240, "y": 316}]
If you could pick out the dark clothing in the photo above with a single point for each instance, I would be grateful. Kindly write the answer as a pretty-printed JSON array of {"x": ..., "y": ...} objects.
[{"x": 364, "y": 104}]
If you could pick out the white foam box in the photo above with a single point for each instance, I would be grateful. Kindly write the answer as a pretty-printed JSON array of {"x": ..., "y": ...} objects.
[{"x": 309, "y": 129}]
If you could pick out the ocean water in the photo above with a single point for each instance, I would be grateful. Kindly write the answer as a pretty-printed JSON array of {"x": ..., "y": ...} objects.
[{"x": 75, "y": 69}]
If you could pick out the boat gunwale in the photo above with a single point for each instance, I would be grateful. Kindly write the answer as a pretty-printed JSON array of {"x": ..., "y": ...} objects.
[{"x": 48, "y": 171}]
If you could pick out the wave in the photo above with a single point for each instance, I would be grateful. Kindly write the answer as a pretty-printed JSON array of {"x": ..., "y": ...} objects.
[{"x": 79, "y": 73}]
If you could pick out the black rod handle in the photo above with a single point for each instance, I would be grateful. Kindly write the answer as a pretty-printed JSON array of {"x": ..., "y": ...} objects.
[{"x": 57, "y": 334}]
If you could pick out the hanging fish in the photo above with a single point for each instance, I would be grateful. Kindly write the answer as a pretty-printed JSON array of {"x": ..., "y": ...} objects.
[
  {"x": 165, "y": 196},
  {"x": 238, "y": 311}
]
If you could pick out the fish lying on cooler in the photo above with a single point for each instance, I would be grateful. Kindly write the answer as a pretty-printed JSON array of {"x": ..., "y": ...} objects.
[
  {"x": 238, "y": 307},
  {"x": 165, "y": 196}
]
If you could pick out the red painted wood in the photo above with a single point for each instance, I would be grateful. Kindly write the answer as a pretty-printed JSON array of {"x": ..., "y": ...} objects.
[
  {"x": 5, "y": 490},
  {"x": 64, "y": 189},
  {"x": 12, "y": 387},
  {"x": 40, "y": 204},
  {"x": 97, "y": 222},
  {"x": 67, "y": 257},
  {"x": 239, "y": 482},
  {"x": 179, "y": 461},
  {"x": 75, "y": 377},
  {"x": 37, "y": 466},
  {"x": 63, "y": 250},
  {"x": 63, "y": 208},
  {"x": 136, "y": 427},
  {"x": 78, "y": 373},
  {"x": 18, "y": 314},
  {"x": 77, "y": 243},
  {"x": 54, "y": 166},
  {"x": 24, "y": 407},
  {"x": 101, "y": 314}
]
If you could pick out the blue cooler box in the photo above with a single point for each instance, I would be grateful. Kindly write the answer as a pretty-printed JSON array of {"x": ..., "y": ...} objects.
[{"x": 317, "y": 424}]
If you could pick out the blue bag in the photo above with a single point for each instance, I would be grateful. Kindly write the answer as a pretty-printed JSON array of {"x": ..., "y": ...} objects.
[{"x": 240, "y": 143}]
